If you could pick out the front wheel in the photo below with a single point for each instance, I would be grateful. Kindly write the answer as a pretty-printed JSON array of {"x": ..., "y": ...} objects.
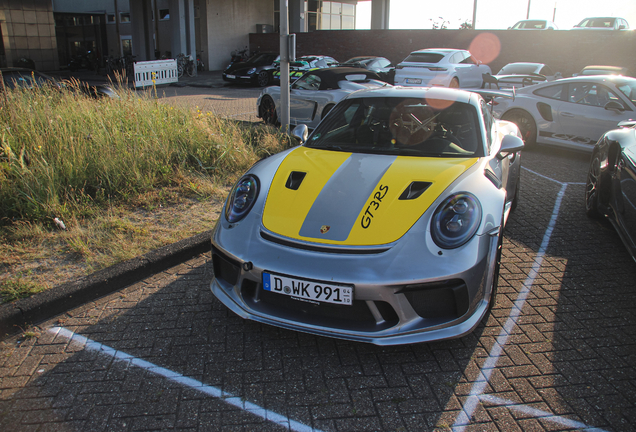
[
  {"x": 190, "y": 69},
  {"x": 495, "y": 276},
  {"x": 268, "y": 110},
  {"x": 525, "y": 123},
  {"x": 592, "y": 189},
  {"x": 263, "y": 78},
  {"x": 180, "y": 70}
]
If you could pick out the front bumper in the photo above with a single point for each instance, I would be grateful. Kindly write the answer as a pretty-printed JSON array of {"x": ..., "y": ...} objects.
[
  {"x": 396, "y": 301},
  {"x": 242, "y": 79}
]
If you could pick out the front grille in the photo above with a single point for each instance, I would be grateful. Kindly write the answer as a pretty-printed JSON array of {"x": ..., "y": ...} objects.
[
  {"x": 356, "y": 317},
  {"x": 439, "y": 301}
]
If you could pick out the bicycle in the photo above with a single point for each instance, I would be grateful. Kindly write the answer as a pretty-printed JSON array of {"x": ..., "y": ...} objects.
[{"x": 185, "y": 63}]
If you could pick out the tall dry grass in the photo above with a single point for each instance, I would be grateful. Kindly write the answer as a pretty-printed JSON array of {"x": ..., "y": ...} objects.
[{"x": 64, "y": 154}]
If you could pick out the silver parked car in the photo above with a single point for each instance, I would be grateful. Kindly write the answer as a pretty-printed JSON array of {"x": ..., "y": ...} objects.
[
  {"x": 602, "y": 23},
  {"x": 314, "y": 94},
  {"x": 534, "y": 24},
  {"x": 522, "y": 74},
  {"x": 571, "y": 112},
  {"x": 441, "y": 67},
  {"x": 384, "y": 226}
]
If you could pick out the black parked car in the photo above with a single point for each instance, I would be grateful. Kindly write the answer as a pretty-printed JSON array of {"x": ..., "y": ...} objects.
[
  {"x": 380, "y": 65},
  {"x": 28, "y": 78},
  {"x": 257, "y": 70},
  {"x": 611, "y": 182}
]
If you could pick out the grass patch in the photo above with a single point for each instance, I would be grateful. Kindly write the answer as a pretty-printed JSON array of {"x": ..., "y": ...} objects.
[{"x": 124, "y": 175}]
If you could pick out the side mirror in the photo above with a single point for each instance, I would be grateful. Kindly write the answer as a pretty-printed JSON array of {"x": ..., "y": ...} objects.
[
  {"x": 510, "y": 144},
  {"x": 301, "y": 132},
  {"x": 614, "y": 106}
]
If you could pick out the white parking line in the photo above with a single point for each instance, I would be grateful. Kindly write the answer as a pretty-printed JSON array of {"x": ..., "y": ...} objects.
[
  {"x": 477, "y": 391},
  {"x": 236, "y": 401}
]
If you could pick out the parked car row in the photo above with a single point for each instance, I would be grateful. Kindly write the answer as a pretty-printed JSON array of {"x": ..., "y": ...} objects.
[{"x": 594, "y": 23}]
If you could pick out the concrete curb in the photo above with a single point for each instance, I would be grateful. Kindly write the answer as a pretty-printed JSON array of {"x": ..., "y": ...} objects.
[{"x": 20, "y": 314}]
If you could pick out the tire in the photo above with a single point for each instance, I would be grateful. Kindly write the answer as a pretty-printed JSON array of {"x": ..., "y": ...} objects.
[
  {"x": 326, "y": 111},
  {"x": 267, "y": 110},
  {"x": 263, "y": 78},
  {"x": 190, "y": 69},
  {"x": 526, "y": 124},
  {"x": 495, "y": 276},
  {"x": 593, "y": 189},
  {"x": 515, "y": 200},
  {"x": 454, "y": 83}
]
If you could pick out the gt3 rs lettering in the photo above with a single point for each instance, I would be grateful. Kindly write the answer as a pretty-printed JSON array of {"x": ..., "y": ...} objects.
[{"x": 377, "y": 199}]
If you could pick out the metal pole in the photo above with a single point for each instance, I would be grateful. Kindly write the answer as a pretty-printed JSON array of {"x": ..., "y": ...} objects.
[
  {"x": 284, "y": 66},
  {"x": 475, "y": 15},
  {"x": 528, "y": 14},
  {"x": 554, "y": 13}
]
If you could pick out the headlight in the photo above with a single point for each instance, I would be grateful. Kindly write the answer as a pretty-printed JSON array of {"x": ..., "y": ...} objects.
[
  {"x": 241, "y": 199},
  {"x": 251, "y": 71},
  {"x": 456, "y": 220}
]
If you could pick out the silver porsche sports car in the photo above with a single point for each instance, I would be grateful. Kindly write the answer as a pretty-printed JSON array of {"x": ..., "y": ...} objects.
[
  {"x": 315, "y": 93},
  {"x": 384, "y": 226}
]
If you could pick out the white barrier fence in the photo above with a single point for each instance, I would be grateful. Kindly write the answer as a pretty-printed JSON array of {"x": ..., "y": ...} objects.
[{"x": 148, "y": 73}]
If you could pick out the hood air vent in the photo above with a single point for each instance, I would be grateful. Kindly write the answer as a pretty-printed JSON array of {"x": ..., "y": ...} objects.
[
  {"x": 295, "y": 179},
  {"x": 414, "y": 190}
]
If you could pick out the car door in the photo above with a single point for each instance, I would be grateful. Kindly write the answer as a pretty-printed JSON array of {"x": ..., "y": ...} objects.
[
  {"x": 583, "y": 116},
  {"x": 625, "y": 188},
  {"x": 466, "y": 69},
  {"x": 303, "y": 98}
]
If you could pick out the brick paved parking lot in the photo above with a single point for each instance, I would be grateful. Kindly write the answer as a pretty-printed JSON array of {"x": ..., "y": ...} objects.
[{"x": 558, "y": 353}]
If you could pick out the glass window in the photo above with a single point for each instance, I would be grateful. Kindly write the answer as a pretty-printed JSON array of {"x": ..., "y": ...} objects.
[
  {"x": 488, "y": 123},
  {"x": 124, "y": 17},
  {"x": 590, "y": 94},
  {"x": 348, "y": 9},
  {"x": 401, "y": 126},
  {"x": 164, "y": 14},
  {"x": 546, "y": 71},
  {"x": 424, "y": 57},
  {"x": 348, "y": 23},
  {"x": 326, "y": 7},
  {"x": 335, "y": 22},
  {"x": 552, "y": 92},
  {"x": 111, "y": 18},
  {"x": 628, "y": 88},
  {"x": 307, "y": 82}
]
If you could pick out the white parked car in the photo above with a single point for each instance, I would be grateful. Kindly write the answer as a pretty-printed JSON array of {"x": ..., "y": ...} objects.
[
  {"x": 534, "y": 24},
  {"x": 441, "y": 67},
  {"x": 570, "y": 112},
  {"x": 314, "y": 94},
  {"x": 602, "y": 23},
  {"x": 522, "y": 74}
]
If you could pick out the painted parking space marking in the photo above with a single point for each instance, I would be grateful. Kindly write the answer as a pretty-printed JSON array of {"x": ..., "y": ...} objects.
[
  {"x": 228, "y": 398},
  {"x": 477, "y": 391}
]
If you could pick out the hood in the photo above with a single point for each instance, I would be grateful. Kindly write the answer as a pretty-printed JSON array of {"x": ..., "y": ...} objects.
[{"x": 354, "y": 199}]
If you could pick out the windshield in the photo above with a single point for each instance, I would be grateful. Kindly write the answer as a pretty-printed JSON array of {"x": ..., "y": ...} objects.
[
  {"x": 262, "y": 59},
  {"x": 530, "y": 25},
  {"x": 400, "y": 126},
  {"x": 598, "y": 22},
  {"x": 517, "y": 69},
  {"x": 24, "y": 79},
  {"x": 628, "y": 88}
]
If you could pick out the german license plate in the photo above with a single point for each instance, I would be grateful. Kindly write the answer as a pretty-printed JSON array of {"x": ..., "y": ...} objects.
[
  {"x": 230, "y": 76},
  {"x": 311, "y": 291},
  {"x": 413, "y": 81}
]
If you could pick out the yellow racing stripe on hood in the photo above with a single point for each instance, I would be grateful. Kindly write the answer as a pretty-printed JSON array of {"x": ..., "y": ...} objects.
[
  {"x": 385, "y": 218},
  {"x": 285, "y": 209},
  {"x": 328, "y": 207}
]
